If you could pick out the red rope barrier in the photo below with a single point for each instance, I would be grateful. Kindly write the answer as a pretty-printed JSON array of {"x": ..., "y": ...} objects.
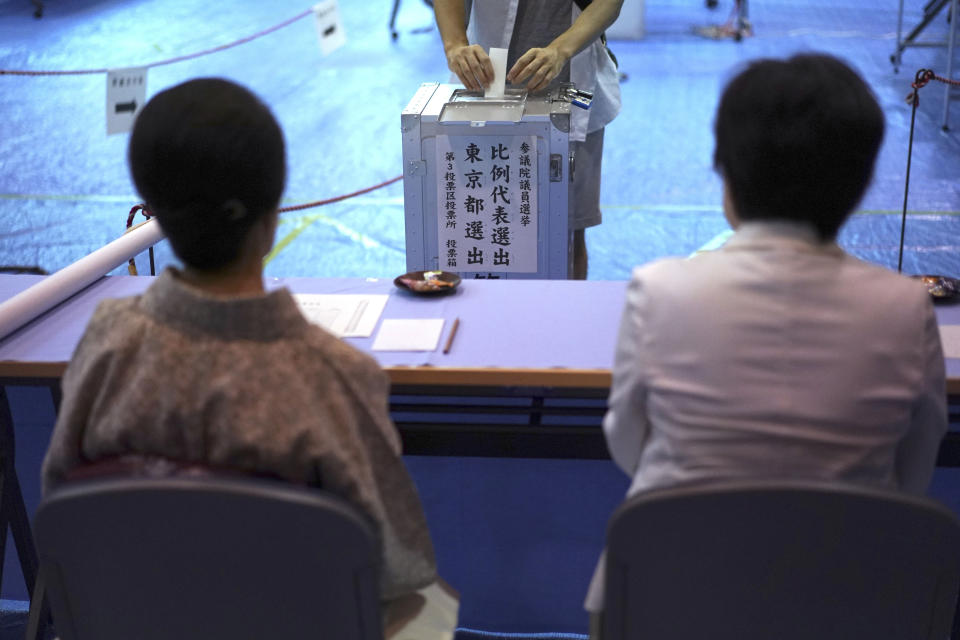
[
  {"x": 189, "y": 56},
  {"x": 319, "y": 203},
  {"x": 922, "y": 79},
  {"x": 132, "y": 266},
  {"x": 955, "y": 83},
  {"x": 133, "y": 213},
  {"x": 297, "y": 207}
]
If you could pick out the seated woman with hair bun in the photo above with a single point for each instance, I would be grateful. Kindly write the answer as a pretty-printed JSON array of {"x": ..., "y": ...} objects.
[{"x": 207, "y": 368}]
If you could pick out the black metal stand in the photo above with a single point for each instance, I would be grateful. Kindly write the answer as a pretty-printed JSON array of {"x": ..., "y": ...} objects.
[
  {"x": 736, "y": 27},
  {"x": 930, "y": 11},
  {"x": 393, "y": 16}
]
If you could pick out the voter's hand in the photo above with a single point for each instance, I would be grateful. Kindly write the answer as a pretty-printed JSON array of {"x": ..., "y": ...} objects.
[
  {"x": 472, "y": 65},
  {"x": 537, "y": 67}
]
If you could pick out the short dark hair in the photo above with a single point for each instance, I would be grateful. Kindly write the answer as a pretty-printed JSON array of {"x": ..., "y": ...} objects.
[
  {"x": 208, "y": 158},
  {"x": 797, "y": 140}
]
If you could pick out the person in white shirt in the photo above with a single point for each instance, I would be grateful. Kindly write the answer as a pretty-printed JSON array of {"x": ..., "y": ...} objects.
[
  {"x": 780, "y": 355},
  {"x": 548, "y": 42}
]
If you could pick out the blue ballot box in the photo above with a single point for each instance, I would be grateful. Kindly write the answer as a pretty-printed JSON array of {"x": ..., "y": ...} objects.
[{"x": 486, "y": 182}]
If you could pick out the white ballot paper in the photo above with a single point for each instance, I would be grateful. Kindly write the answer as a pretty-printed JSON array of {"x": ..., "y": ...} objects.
[
  {"x": 499, "y": 59},
  {"x": 950, "y": 338},
  {"x": 345, "y": 315},
  {"x": 421, "y": 334}
]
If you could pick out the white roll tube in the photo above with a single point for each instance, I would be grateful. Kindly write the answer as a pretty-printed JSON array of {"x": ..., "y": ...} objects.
[{"x": 51, "y": 291}]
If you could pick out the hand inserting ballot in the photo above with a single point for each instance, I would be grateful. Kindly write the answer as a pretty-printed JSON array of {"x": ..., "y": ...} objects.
[
  {"x": 537, "y": 67},
  {"x": 472, "y": 65}
]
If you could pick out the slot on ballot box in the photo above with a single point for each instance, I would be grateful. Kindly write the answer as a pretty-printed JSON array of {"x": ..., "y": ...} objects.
[{"x": 486, "y": 182}]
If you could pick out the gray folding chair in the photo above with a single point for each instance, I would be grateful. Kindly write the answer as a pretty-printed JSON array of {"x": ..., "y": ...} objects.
[
  {"x": 780, "y": 560},
  {"x": 205, "y": 558}
]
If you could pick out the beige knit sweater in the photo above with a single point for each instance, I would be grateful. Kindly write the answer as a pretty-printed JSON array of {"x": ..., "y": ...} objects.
[{"x": 247, "y": 384}]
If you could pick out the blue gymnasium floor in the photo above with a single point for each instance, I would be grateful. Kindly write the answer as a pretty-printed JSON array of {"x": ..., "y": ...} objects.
[
  {"x": 64, "y": 189},
  {"x": 521, "y": 558}
]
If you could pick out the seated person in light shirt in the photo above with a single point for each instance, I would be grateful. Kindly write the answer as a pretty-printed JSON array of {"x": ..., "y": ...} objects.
[
  {"x": 779, "y": 355},
  {"x": 207, "y": 368}
]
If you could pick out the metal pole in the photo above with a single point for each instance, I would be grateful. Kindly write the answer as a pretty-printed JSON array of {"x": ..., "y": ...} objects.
[
  {"x": 950, "y": 44},
  {"x": 914, "y": 99},
  {"x": 895, "y": 58}
]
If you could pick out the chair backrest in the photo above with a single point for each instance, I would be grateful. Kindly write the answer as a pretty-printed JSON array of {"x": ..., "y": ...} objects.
[
  {"x": 780, "y": 560},
  {"x": 207, "y": 558}
]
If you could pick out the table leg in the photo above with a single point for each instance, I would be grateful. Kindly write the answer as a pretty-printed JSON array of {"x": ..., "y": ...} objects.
[{"x": 13, "y": 511}]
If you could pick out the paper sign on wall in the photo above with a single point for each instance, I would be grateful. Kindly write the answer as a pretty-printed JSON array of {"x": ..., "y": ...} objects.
[
  {"x": 126, "y": 94},
  {"x": 487, "y": 203},
  {"x": 329, "y": 26}
]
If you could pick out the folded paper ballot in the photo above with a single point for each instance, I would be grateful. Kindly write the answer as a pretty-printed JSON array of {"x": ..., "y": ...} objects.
[
  {"x": 345, "y": 315},
  {"x": 499, "y": 59}
]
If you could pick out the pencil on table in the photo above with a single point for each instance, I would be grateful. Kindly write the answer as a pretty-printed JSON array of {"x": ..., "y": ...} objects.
[{"x": 451, "y": 336}]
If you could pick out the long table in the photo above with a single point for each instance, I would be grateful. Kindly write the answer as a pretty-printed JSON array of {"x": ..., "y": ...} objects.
[{"x": 527, "y": 374}]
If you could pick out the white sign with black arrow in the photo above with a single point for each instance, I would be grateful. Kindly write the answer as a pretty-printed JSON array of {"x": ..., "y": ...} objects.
[
  {"x": 329, "y": 26},
  {"x": 126, "y": 94}
]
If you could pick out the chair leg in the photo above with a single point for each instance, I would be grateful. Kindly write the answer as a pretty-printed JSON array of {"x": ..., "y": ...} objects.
[
  {"x": 20, "y": 530},
  {"x": 38, "y": 620},
  {"x": 56, "y": 395},
  {"x": 6, "y": 460},
  {"x": 4, "y": 522},
  {"x": 955, "y": 633}
]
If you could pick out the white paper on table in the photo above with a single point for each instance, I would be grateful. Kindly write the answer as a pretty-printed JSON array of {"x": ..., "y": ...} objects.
[
  {"x": 420, "y": 334},
  {"x": 499, "y": 59},
  {"x": 950, "y": 338},
  {"x": 345, "y": 315}
]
